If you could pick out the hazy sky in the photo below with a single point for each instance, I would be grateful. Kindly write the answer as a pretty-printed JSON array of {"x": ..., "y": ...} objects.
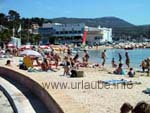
[{"x": 134, "y": 11}]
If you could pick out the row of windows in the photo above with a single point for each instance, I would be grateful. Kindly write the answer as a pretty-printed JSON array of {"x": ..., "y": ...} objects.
[
  {"x": 69, "y": 32},
  {"x": 98, "y": 38},
  {"x": 70, "y": 25}
]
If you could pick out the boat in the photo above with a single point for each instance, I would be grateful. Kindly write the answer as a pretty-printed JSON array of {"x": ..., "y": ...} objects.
[{"x": 129, "y": 48}]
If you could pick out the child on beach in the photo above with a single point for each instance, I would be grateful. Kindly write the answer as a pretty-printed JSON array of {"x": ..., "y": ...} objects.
[{"x": 131, "y": 73}]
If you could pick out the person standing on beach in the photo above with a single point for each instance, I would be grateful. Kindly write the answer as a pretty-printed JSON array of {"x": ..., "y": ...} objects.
[
  {"x": 127, "y": 59},
  {"x": 148, "y": 66},
  {"x": 120, "y": 57},
  {"x": 103, "y": 56},
  {"x": 85, "y": 58},
  {"x": 113, "y": 63},
  {"x": 143, "y": 65}
]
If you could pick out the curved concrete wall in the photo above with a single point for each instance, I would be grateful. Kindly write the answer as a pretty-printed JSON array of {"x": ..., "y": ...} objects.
[{"x": 34, "y": 87}]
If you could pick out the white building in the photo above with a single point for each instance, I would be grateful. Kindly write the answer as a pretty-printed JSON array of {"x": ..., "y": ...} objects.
[
  {"x": 73, "y": 33},
  {"x": 34, "y": 29},
  {"x": 15, "y": 41},
  {"x": 107, "y": 34}
]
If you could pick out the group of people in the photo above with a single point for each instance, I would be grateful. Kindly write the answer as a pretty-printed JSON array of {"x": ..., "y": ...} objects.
[
  {"x": 119, "y": 67},
  {"x": 120, "y": 60},
  {"x": 120, "y": 70},
  {"x": 103, "y": 56},
  {"x": 45, "y": 63},
  {"x": 141, "y": 107},
  {"x": 72, "y": 62}
]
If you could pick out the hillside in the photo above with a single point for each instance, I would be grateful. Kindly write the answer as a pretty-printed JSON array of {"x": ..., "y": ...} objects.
[
  {"x": 112, "y": 22},
  {"x": 121, "y": 28}
]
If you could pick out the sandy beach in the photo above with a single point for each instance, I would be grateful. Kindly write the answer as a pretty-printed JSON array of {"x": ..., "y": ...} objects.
[{"x": 103, "y": 100}]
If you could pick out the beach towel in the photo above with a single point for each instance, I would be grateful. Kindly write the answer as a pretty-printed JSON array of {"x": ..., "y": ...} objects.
[
  {"x": 111, "y": 82},
  {"x": 122, "y": 81},
  {"x": 30, "y": 69}
]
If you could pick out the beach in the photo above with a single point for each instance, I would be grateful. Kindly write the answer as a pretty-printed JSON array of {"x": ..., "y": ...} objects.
[
  {"x": 103, "y": 100},
  {"x": 66, "y": 57}
]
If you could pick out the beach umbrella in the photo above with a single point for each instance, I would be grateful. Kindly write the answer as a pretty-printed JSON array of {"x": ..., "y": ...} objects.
[
  {"x": 30, "y": 53},
  {"x": 44, "y": 46},
  {"x": 10, "y": 45},
  {"x": 47, "y": 50},
  {"x": 25, "y": 47}
]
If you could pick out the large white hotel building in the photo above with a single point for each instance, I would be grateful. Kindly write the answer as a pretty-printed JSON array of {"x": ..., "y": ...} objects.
[{"x": 73, "y": 33}]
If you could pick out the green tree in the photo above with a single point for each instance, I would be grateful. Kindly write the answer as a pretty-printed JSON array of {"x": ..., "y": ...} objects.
[
  {"x": 13, "y": 15},
  {"x": 2, "y": 18},
  {"x": 5, "y": 35}
]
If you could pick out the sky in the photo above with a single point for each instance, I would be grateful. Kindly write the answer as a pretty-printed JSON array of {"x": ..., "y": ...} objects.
[{"x": 134, "y": 11}]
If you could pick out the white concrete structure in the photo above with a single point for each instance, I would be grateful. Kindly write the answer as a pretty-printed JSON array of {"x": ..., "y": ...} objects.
[
  {"x": 107, "y": 34},
  {"x": 73, "y": 33},
  {"x": 34, "y": 28},
  {"x": 15, "y": 41}
]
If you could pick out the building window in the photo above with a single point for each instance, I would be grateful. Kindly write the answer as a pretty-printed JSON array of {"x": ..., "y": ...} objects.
[
  {"x": 75, "y": 32},
  {"x": 79, "y": 32},
  {"x": 98, "y": 38},
  {"x": 70, "y": 32},
  {"x": 57, "y": 32},
  {"x": 66, "y": 32}
]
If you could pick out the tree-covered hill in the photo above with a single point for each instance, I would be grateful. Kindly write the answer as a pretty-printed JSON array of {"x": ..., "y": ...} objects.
[
  {"x": 94, "y": 22},
  {"x": 121, "y": 29}
]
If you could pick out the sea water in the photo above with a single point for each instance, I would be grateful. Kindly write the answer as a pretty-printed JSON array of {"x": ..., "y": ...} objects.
[{"x": 135, "y": 55}]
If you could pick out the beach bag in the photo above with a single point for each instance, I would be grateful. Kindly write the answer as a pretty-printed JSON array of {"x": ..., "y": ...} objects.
[
  {"x": 22, "y": 66},
  {"x": 75, "y": 73}
]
